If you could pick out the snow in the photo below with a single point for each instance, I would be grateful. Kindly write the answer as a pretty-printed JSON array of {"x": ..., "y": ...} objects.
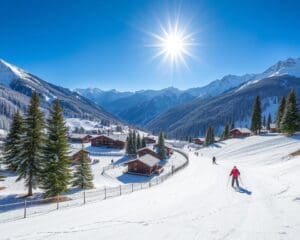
[
  {"x": 196, "y": 203},
  {"x": 9, "y": 72},
  {"x": 290, "y": 67}
]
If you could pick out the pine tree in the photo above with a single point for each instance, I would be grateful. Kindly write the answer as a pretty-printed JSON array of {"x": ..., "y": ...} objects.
[
  {"x": 138, "y": 141},
  {"x": 280, "y": 112},
  {"x": 13, "y": 142},
  {"x": 161, "y": 146},
  {"x": 134, "y": 142},
  {"x": 269, "y": 122},
  {"x": 212, "y": 135},
  {"x": 289, "y": 121},
  {"x": 226, "y": 133},
  {"x": 207, "y": 141},
  {"x": 83, "y": 177},
  {"x": 256, "y": 116},
  {"x": 264, "y": 123},
  {"x": 128, "y": 144},
  {"x": 232, "y": 126},
  {"x": 30, "y": 158},
  {"x": 56, "y": 171},
  {"x": 143, "y": 142}
]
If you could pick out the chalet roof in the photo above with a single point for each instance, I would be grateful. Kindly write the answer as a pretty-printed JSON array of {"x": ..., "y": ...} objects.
[
  {"x": 242, "y": 130},
  {"x": 115, "y": 137},
  {"x": 149, "y": 160},
  {"x": 144, "y": 148}
]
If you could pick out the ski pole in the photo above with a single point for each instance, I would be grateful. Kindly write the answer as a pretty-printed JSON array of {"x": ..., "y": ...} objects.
[{"x": 241, "y": 181}]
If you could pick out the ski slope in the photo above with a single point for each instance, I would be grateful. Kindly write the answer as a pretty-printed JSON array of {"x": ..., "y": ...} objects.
[{"x": 196, "y": 203}]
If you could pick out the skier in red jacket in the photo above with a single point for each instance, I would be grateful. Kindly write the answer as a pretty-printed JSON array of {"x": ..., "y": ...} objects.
[{"x": 235, "y": 175}]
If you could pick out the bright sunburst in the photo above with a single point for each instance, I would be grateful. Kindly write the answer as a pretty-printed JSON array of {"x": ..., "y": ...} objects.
[{"x": 173, "y": 44}]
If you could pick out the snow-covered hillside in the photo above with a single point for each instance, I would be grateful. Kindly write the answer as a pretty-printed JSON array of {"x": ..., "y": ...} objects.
[{"x": 196, "y": 203}]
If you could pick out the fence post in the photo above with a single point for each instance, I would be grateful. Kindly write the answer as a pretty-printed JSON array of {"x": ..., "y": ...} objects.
[
  {"x": 25, "y": 207},
  {"x": 57, "y": 202},
  {"x": 120, "y": 190},
  {"x": 83, "y": 196},
  {"x": 105, "y": 192}
]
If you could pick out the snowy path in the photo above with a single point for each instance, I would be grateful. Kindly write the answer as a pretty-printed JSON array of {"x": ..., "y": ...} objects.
[{"x": 196, "y": 203}]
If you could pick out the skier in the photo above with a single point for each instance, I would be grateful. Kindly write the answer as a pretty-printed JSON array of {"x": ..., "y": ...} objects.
[
  {"x": 214, "y": 160},
  {"x": 235, "y": 173}
]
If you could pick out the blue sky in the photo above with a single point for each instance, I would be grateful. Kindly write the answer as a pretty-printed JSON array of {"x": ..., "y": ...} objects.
[{"x": 103, "y": 44}]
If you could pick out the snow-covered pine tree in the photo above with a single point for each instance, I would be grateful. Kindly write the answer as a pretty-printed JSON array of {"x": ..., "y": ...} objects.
[
  {"x": 280, "y": 112},
  {"x": 83, "y": 177},
  {"x": 161, "y": 150},
  {"x": 13, "y": 142},
  {"x": 269, "y": 122},
  {"x": 256, "y": 116},
  {"x": 32, "y": 142},
  {"x": 289, "y": 122},
  {"x": 56, "y": 165}
]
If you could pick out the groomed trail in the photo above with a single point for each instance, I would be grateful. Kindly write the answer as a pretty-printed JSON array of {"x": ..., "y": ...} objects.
[{"x": 196, "y": 203}]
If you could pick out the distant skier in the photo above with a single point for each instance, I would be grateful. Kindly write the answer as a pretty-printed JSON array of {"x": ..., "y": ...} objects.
[
  {"x": 214, "y": 160},
  {"x": 235, "y": 173}
]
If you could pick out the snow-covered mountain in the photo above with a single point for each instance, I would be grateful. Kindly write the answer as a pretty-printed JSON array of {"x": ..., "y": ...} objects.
[
  {"x": 17, "y": 85},
  {"x": 144, "y": 106}
]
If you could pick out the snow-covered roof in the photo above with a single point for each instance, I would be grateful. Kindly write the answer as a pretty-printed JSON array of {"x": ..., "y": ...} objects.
[
  {"x": 115, "y": 137},
  {"x": 149, "y": 160},
  {"x": 242, "y": 130},
  {"x": 272, "y": 125}
]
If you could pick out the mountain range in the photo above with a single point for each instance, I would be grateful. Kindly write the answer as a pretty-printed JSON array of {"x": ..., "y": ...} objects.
[
  {"x": 189, "y": 112},
  {"x": 17, "y": 85}
]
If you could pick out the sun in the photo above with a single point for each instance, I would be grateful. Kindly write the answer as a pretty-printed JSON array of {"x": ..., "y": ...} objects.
[{"x": 173, "y": 44}]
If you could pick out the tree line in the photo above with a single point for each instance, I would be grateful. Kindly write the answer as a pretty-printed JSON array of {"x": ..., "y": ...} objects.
[
  {"x": 135, "y": 142},
  {"x": 287, "y": 118},
  {"x": 37, "y": 151}
]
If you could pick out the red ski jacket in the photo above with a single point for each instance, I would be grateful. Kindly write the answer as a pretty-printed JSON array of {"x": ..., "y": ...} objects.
[{"x": 235, "y": 172}]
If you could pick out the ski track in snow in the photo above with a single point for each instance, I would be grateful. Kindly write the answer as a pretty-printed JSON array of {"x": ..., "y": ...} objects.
[{"x": 196, "y": 203}]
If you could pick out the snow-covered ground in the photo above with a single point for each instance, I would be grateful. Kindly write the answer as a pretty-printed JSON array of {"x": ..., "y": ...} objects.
[{"x": 196, "y": 203}]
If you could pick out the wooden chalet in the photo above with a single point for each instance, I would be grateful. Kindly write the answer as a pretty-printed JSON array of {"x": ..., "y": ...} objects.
[
  {"x": 149, "y": 140},
  {"x": 240, "y": 132},
  {"x": 75, "y": 156},
  {"x": 110, "y": 141},
  {"x": 273, "y": 128},
  {"x": 80, "y": 138},
  {"x": 143, "y": 151},
  {"x": 144, "y": 165},
  {"x": 198, "y": 141}
]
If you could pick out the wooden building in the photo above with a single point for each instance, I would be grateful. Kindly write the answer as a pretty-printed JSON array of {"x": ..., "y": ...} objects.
[
  {"x": 143, "y": 151},
  {"x": 110, "y": 141},
  {"x": 80, "y": 138},
  {"x": 198, "y": 141},
  {"x": 273, "y": 128},
  {"x": 149, "y": 140},
  {"x": 145, "y": 165},
  {"x": 75, "y": 156},
  {"x": 240, "y": 132}
]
